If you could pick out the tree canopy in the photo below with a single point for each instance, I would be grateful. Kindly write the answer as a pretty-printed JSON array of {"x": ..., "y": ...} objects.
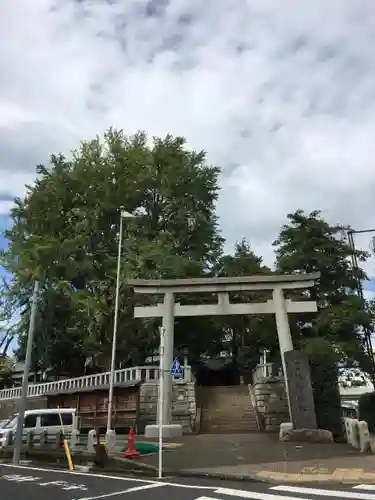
[
  {"x": 65, "y": 234},
  {"x": 308, "y": 243}
]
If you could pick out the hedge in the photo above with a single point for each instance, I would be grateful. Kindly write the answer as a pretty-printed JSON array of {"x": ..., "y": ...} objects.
[{"x": 324, "y": 379}]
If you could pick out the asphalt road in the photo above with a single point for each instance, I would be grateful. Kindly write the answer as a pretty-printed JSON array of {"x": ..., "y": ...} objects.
[{"x": 32, "y": 483}]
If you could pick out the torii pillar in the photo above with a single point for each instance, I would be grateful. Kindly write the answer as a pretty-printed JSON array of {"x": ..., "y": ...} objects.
[
  {"x": 169, "y": 309},
  {"x": 168, "y": 327}
]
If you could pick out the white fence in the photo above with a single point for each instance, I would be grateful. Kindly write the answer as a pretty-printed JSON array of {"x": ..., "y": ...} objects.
[
  {"x": 135, "y": 374},
  {"x": 353, "y": 393},
  {"x": 357, "y": 434},
  {"x": 264, "y": 370},
  {"x": 348, "y": 394}
]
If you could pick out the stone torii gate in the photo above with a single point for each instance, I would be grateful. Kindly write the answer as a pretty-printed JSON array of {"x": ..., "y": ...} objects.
[{"x": 169, "y": 309}]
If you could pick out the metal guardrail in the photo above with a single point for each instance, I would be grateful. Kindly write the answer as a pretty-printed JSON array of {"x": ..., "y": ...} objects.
[
  {"x": 39, "y": 440},
  {"x": 45, "y": 441}
]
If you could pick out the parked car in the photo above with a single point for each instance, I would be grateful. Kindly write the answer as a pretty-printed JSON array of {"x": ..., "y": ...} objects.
[{"x": 42, "y": 420}]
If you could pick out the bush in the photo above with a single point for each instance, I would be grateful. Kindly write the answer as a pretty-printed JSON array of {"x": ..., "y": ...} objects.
[
  {"x": 324, "y": 378},
  {"x": 366, "y": 407}
]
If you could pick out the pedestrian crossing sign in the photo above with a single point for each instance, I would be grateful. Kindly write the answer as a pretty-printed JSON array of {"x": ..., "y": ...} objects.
[{"x": 176, "y": 370}]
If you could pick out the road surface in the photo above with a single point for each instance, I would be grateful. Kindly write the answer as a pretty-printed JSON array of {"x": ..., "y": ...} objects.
[{"x": 33, "y": 483}]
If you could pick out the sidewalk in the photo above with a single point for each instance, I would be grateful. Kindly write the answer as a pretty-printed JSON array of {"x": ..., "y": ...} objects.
[{"x": 262, "y": 457}]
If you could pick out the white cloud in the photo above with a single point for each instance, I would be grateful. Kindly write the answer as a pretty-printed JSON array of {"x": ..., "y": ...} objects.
[
  {"x": 369, "y": 295},
  {"x": 280, "y": 94},
  {"x": 5, "y": 206}
]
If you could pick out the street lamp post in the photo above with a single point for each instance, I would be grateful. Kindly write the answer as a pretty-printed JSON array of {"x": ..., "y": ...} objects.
[
  {"x": 25, "y": 379},
  {"x": 354, "y": 259},
  {"x": 124, "y": 216}
]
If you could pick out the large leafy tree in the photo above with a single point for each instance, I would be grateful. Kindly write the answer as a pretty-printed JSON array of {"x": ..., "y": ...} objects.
[
  {"x": 65, "y": 233},
  {"x": 308, "y": 243}
]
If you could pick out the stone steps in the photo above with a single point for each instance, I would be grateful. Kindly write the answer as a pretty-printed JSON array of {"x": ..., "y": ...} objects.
[
  {"x": 228, "y": 409},
  {"x": 224, "y": 416},
  {"x": 229, "y": 427}
]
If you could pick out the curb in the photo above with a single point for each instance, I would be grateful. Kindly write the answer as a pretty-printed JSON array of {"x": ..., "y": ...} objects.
[
  {"x": 215, "y": 475},
  {"x": 304, "y": 478},
  {"x": 281, "y": 478}
]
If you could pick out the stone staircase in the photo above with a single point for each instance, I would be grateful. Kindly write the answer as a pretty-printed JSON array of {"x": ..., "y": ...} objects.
[{"x": 227, "y": 409}]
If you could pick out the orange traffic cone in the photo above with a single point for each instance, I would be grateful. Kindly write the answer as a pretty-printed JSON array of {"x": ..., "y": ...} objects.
[{"x": 131, "y": 452}]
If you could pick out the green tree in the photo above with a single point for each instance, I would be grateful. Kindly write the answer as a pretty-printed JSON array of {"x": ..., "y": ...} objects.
[
  {"x": 7, "y": 327},
  {"x": 6, "y": 368},
  {"x": 324, "y": 373},
  {"x": 308, "y": 243},
  {"x": 65, "y": 233}
]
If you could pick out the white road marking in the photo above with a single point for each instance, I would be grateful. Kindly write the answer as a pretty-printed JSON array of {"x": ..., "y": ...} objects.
[
  {"x": 53, "y": 483},
  {"x": 65, "y": 486},
  {"x": 123, "y": 492},
  {"x": 106, "y": 476},
  {"x": 370, "y": 487},
  {"x": 190, "y": 486},
  {"x": 69, "y": 487},
  {"x": 324, "y": 493},
  {"x": 77, "y": 473},
  {"x": 254, "y": 495},
  {"x": 105, "y": 495},
  {"x": 206, "y": 498},
  {"x": 20, "y": 479}
]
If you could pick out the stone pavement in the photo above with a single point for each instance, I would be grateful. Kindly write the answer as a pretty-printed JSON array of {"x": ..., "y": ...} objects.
[{"x": 262, "y": 457}]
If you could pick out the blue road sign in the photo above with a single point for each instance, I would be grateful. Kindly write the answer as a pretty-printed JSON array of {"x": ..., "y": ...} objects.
[{"x": 176, "y": 370}]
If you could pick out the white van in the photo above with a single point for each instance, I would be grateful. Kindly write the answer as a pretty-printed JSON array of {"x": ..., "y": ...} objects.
[{"x": 42, "y": 420}]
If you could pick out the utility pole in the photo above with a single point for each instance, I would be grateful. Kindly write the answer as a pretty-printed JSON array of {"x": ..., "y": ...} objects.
[
  {"x": 367, "y": 332},
  {"x": 25, "y": 379}
]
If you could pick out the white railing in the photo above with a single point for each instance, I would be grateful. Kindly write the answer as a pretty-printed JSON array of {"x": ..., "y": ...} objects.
[
  {"x": 353, "y": 393},
  {"x": 135, "y": 374},
  {"x": 263, "y": 371}
]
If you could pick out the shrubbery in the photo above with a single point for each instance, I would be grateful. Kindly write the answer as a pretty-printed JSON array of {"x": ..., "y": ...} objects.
[{"x": 324, "y": 378}]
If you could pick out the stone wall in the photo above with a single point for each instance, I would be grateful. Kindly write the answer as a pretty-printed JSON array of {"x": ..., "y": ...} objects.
[
  {"x": 271, "y": 402},
  {"x": 183, "y": 401}
]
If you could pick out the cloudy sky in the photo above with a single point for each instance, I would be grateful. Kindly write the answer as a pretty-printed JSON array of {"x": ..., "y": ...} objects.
[{"x": 280, "y": 94}]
